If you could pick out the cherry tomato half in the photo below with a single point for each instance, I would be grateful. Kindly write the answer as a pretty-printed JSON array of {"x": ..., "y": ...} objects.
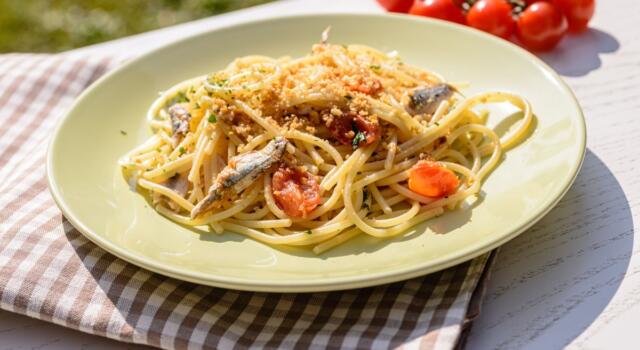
[
  {"x": 432, "y": 180},
  {"x": 541, "y": 26},
  {"x": 492, "y": 16},
  {"x": 578, "y": 13},
  {"x": 295, "y": 190},
  {"x": 401, "y": 6},
  {"x": 441, "y": 9}
]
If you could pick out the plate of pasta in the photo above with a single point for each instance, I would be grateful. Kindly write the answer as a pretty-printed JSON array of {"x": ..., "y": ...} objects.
[{"x": 317, "y": 152}]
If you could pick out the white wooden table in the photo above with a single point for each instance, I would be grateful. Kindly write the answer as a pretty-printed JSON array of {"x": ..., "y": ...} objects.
[{"x": 571, "y": 281}]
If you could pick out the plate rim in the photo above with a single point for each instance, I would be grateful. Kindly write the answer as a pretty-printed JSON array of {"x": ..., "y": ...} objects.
[{"x": 332, "y": 283}]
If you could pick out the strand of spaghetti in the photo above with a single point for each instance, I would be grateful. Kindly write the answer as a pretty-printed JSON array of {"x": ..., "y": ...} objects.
[
  {"x": 371, "y": 178},
  {"x": 340, "y": 171},
  {"x": 207, "y": 172},
  {"x": 256, "y": 215},
  {"x": 391, "y": 201},
  {"x": 377, "y": 196},
  {"x": 217, "y": 228},
  {"x": 271, "y": 203},
  {"x": 231, "y": 150},
  {"x": 229, "y": 135},
  {"x": 349, "y": 203},
  {"x": 169, "y": 169},
  {"x": 514, "y": 137},
  {"x": 322, "y": 144},
  {"x": 255, "y": 116},
  {"x": 336, "y": 240},
  {"x": 237, "y": 207},
  {"x": 475, "y": 154},
  {"x": 400, "y": 217},
  {"x": 157, "y": 124},
  {"x": 294, "y": 239},
  {"x": 174, "y": 196},
  {"x": 213, "y": 141},
  {"x": 181, "y": 147},
  {"x": 144, "y": 156},
  {"x": 455, "y": 155},
  {"x": 391, "y": 151},
  {"x": 160, "y": 102},
  {"x": 317, "y": 158},
  {"x": 399, "y": 177},
  {"x": 440, "y": 111},
  {"x": 447, "y": 122},
  {"x": 194, "y": 173},
  {"x": 196, "y": 195},
  {"x": 410, "y": 194},
  {"x": 327, "y": 205},
  {"x": 497, "y": 150},
  {"x": 152, "y": 143},
  {"x": 388, "y": 113},
  {"x": 255, "y": 142},
  {"x": 262, "y": 223}
]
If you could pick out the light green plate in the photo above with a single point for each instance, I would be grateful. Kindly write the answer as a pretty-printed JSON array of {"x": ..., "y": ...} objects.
[{"x": 89, "y": 187}]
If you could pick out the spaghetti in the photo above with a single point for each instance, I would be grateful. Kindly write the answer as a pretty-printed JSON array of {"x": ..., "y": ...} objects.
[{"x": 316, "y": 150}]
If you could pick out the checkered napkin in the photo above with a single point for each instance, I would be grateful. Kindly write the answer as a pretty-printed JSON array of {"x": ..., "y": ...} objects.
[{"x": 49, "y": 271}]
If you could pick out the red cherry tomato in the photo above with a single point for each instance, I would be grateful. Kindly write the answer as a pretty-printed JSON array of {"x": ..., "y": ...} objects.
[
  {"x": 295, "y": 190},
  {"x": 401, "y": 6},
  {"x": 578, "y": 13},
  {"x": 493, "y": 16},
  {"x": 432, "y": 180},
  {"x": 541, "y": 26},
  {"x": 441, "y": 9}
]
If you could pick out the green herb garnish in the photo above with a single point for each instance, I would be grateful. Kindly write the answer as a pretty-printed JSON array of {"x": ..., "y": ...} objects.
[
  {"x": 374, "y": 66},
  {"x": 360, "y": 137},
  {"x": 181, "y": 98},
  {"x": 181, "y": 150},
  {"x": 212, "y": 118},
  {"x": 123, "y": 132},
  {"x": 349, "y": 97},
  {"x": 308, "y": 232},
  {"x": 365, "y": 197}
]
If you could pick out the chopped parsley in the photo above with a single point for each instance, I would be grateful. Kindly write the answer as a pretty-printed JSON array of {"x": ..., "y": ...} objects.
[
  {"x": 181, "y": 98},
  {"x": 374, "y": 66},
  {"x": 123, "y": 132},
  {"x": 360, "y": 137},
  {"x": 212, "y": 118},
  {"x": 197, "y": 105},
  {"x": 365, "y": 199},
  {"x": 349, "y": 97},
  {"x": 181, "y": 150},
  {"x": 308, "y": 232}
]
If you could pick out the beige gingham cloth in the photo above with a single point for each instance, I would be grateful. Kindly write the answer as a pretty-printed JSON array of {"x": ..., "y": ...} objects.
[{"x": 49, "y": 271}]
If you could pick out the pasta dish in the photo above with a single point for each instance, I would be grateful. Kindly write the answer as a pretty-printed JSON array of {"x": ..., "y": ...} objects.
[{"x": 313, "y": 151}]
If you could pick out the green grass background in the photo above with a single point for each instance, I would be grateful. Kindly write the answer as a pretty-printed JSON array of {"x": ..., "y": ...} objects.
[{"x": 59, "y": 25}]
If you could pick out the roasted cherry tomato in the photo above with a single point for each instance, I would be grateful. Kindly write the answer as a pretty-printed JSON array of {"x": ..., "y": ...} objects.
[
  {"x": 441, "y": 9},
  {"x": 401, "y": 6},
  {"x": 541, "y": 26},
  {"x": 432, "y": 180},
  {"x": 578, "y": 13},
  {"x": 353, "y": 129},
  {"x": 369, "y": 130},
  {"x": 295, "y": 190},
  {"x": 492, "y": 16}
]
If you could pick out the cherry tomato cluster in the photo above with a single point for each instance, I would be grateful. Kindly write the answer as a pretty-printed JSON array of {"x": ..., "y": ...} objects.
[{"x": 539, "y": 25}]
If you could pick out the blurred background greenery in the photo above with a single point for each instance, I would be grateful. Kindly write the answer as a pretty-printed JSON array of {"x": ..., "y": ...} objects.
[{"x": 59, "y": 25}]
